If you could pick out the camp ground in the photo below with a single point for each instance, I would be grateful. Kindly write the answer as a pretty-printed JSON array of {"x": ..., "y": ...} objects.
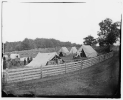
[
  {"x": 51, "y": 73},
  {"x": 87, "y": 51},
  {"x": 63, "y": 52}
]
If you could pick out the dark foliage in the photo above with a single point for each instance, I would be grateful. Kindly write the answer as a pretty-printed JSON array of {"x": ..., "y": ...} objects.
[
  {"x": 28, "y": 44},
  {"x": 89, "y": 40},
  {"x": 109, "y": 32}
]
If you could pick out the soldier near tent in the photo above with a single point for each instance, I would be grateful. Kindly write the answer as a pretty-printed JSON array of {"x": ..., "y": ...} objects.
[
  {"x": 28, "y": 61},
  {"x": 63, "y": 52},
  {"x": 24, "y": 61}
]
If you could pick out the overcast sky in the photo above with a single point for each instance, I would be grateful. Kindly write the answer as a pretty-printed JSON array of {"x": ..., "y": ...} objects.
[{"x": 63, "y": 21}]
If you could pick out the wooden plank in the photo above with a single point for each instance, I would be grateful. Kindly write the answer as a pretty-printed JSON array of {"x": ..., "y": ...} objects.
[
  {"x": 85, "y": 66},
  {"x": 21, "y": 69},
  {"x": 53, "y": 71},
  {"x": 50, "y": 66},
  {"x": 69, "y": 64},
  {"x": 22, "y": 78},
  {"x": 89, "y": 62},
  {"x": 73, "y": 68},
  {"x": 54, "y": 68},
  {"x": 31, "y": 75},
  {"x": 60, "y": 67},
  {"x": 23, "y": 75},
  {"x": 23, "y": 72}
]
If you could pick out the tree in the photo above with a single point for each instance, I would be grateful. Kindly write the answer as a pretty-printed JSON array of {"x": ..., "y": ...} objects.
[
  {"x": 109, "y": 32},
  {"x": 25, "y": 44},
  {"x": 89, "y": 40}
]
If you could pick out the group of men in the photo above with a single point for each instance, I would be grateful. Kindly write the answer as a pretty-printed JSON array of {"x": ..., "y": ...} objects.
[{"x": 9, "y": 63}]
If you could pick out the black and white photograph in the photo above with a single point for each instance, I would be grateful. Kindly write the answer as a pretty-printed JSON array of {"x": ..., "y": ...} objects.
[{"x": 61, "y": 48}]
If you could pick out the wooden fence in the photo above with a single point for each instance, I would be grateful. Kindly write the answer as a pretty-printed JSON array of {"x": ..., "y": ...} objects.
[{"x": 29, "y": 73}]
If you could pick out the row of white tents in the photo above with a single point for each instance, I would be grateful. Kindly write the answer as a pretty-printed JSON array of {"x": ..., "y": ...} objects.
[
  {"x": 84, "y": 50},
  {"x": 43, "y": 58}
]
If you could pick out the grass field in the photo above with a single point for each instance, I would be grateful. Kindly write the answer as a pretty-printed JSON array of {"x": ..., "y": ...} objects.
[
  {"x": 98, "y": 80},
  {"x": 34, "y": 52}
]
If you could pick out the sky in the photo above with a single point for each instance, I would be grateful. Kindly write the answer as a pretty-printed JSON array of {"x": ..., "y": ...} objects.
[{"x": 62, "y": 21}]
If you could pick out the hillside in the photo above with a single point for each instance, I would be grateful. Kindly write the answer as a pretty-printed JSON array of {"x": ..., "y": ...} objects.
[{"x": 100, "y": 80}]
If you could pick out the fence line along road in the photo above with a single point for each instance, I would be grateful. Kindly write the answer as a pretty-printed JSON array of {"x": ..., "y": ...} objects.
[{"x": 29, "y": 73}]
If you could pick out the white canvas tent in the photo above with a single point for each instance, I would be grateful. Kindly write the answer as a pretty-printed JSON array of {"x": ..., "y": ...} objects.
[
  {"x": 41, "y": 59},
  {"x": 88, "y": 51},
  {"x": 14, "y": 56},
  {"x": 63, "y": 51},
  {"x": 73, "y": 50}
]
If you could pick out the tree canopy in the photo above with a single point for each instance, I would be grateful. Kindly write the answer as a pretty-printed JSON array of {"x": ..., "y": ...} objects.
[
  {"x": 27, "y": 44},
  {"x": 109, "y": 32},
  {"x": 89, "y": 40}
]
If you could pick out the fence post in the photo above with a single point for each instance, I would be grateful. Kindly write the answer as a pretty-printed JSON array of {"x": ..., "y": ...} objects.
[
  {"x": 41, "y": 71},
  {"x": 91, "y": 62},
  {"x": 81, "y": 64},
  {"x": 100, "y": 58},
  {"x": 65, "y": 68}
]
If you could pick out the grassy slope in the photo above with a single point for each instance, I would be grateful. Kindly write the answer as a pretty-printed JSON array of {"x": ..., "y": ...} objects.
[{"x": 100, "y": 79}]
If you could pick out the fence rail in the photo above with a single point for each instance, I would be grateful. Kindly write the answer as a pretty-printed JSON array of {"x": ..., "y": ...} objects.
[{"x": 29, "y": 73}]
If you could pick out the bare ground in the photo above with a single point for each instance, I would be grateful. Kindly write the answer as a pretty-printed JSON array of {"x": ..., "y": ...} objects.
[{"x": 100, "y": 80}]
